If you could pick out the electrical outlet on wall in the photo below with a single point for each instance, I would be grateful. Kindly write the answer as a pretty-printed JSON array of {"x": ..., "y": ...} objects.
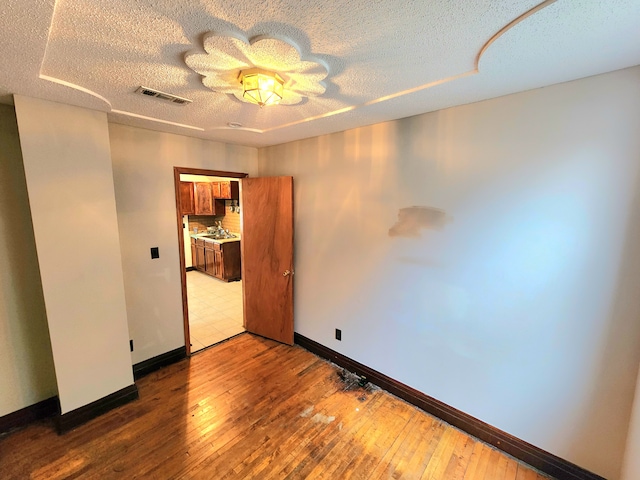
[{"x": 338, "y": 334}]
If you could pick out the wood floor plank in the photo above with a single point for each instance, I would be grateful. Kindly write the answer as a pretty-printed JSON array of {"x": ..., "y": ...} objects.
[
  {"x": 511, "y": 470},
  {"x": 386, "y": 465},
  {"x": 441, "y": 455},
  {"x": 526, "y": 473},
  {"x": 253, "y": 408},
  {"x": 501, "y": 467},
  {"x": 350, "y": 428},
  {"x": 418, "y": 453},
  {"x": 378, "y": 442},
  {"x": 318, "y": 449},
  {"x": 460, "y": 457},
  {"x": 493, "y": 465},
  {"x": 474, "y": 469}
]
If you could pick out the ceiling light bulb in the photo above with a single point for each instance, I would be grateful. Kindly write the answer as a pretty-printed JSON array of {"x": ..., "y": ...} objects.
[{"x": 261, "y": 86}]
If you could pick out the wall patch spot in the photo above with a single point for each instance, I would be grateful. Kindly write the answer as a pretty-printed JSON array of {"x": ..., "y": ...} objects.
[{"x": 413, "y": 219}]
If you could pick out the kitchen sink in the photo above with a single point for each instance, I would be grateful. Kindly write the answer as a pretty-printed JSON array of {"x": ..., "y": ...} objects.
[{"x": 220, "y": 237}]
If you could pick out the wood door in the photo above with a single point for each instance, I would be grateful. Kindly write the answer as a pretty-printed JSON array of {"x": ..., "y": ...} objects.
[{"x": 267, "y": 256}]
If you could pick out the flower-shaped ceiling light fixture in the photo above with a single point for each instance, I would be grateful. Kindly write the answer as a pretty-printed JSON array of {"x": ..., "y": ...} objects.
[
  {"x": 229, "y": 62},
  {"x": 261, "y": 87}
]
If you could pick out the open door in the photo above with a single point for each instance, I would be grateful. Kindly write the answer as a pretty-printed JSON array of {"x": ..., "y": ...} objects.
[{"x": 267, "y": 256}]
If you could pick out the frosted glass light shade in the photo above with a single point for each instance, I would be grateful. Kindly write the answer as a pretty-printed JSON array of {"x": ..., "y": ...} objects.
[{"x": 261, "y": 87}]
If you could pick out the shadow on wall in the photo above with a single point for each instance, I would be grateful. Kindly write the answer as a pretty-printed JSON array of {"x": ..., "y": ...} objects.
[{"x": 619, "y": 355}]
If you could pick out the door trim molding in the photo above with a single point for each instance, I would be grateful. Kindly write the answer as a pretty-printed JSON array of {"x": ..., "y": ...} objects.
[
  {"x": 536, "y": 457},
  {"x": 183, "y": 273}
]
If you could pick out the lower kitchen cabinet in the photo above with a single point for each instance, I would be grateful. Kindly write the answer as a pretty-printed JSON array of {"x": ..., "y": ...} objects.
[
  {"x": 209, "y": 258},
  {"x": 198, "y": 256},
  {"x": 229, "y": 264},
  {"x": 220, "y": 260}
]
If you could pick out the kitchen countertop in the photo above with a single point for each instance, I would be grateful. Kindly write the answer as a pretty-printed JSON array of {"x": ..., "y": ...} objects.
[{"x": 203, "y": 236}]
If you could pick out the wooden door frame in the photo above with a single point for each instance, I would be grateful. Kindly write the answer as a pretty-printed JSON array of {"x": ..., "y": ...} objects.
[{"x": 177, "y": 171}]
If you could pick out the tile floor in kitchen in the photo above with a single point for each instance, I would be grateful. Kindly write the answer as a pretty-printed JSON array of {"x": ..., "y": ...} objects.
[{"x": 215, "y": 309}]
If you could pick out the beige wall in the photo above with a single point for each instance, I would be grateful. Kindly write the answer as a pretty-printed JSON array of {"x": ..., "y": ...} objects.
[
  {"x": 631, "y": 464},
  {"x": 143, "y": 163},
  {"x": 69, "y": 178},
  {"x": 513, "y": 294},
  {"x": 26, "y": 364}
]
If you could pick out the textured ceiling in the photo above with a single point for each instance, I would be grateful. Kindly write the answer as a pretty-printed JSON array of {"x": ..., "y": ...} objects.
[{"x": 367, "y": 61}]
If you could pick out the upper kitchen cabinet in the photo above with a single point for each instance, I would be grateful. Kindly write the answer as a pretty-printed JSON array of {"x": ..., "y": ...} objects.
[
  {"x": 205, "y": 203},
  {"x": 216, "y": 189},
  {"x": 187, "y": 204},
  {"x": 227, "y": 190}
]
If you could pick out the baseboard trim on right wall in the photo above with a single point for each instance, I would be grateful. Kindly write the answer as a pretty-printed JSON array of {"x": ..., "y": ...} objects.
[
  {"x": 155, "y": 363},
  {"x": 536, "y": 457}
]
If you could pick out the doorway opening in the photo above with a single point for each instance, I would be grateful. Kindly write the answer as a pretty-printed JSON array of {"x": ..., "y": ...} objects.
[{"x": 209, "y": 222}]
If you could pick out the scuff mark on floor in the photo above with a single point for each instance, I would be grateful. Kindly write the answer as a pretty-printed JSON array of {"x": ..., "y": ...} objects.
[
  {"x": 318, "y": 417},
  {"x": 355, "y": 383},
  {"x": 307, "y": 411}
]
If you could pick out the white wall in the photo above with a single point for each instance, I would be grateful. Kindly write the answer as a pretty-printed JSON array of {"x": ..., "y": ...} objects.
[
  {"x": 26, "y": 364},
  {"x": 522, "y": 310},
  {"x": 143, "y": 163},
  {"x": 67, "y": 164}
]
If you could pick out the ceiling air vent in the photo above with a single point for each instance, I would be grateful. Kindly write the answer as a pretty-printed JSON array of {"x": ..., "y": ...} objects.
[{"x": 167, "y": 97}]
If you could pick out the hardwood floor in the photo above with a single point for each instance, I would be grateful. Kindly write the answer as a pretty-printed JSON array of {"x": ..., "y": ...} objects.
[{"x": 253, "y": 408}]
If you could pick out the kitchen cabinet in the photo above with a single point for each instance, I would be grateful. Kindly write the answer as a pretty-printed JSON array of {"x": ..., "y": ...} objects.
[
  {"x": 220, "y": 260},
  {"x": 203, "y": 199},
  {"x": 225, "y": 190},
  {"x": 187, "y": 205},
  {"x": 229, "y": 190},
  {"x": 205, "y": 203},
  {"x": 209, "y": 258},
  {"x": 227, "y": 261},
  {"x": 218, "y": 264},
  {"x": 199, "y": 257}
]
